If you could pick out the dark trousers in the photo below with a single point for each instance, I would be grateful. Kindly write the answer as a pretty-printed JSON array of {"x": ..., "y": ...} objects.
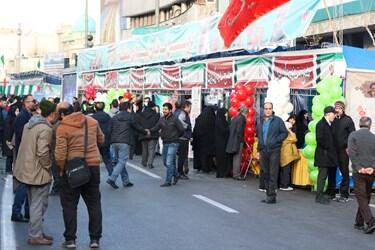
[
  {"x": 285, "y": 176},
  {"x": 91, "y": 196},
  {"x": 270, "y": 164},
  {"x": 9, "y": 164},
  {"x": 20, "y": 198},
  {"x": 105, "y": 152},
  {"x": 344, "y": 169},
  {"x": 329, "y": 172},
  {"x": 56, "y": 178},
  {"x": 148, "y": 152},
  {"x": 362, "y": 189},
  {"x": 183, "y": 152}
]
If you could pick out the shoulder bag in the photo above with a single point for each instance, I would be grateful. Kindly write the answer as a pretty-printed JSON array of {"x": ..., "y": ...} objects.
[{"x": 76, "y": 169}]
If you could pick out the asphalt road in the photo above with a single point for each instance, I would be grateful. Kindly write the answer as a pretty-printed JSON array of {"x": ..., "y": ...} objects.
[{"x": 201, "y": 213}]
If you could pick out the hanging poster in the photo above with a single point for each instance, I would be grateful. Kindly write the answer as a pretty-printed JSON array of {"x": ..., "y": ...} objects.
[
  {"x": 220, "y": 74},
  {"x": 137, "y": 78},
  {"x": 193, "y": 76},
  {"x": 69, "y": 87},
  {"x": 256, "y": 69},
  {"x": 152, "y": 80},
  {"x": 124, "y": 80},
  {"x": 111, "y": 79},
  {"x": 299, "y": 69},
  {"x": 171, "y": 77}
]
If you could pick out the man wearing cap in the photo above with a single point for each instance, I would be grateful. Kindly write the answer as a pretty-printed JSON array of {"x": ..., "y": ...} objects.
[
  {"x": 33, "y": 168},
  {"x": 271, "y": 133},
  {"x": 236, "y": 140},
  {"x": 361, "y": 148},
  {"x": 325, "y": 155},
  {"x": 104, "y": 121},
  {"x": 342, "y": 127}
]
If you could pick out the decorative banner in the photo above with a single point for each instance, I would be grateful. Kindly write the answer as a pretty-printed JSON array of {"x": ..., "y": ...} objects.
[
  {"x": 137, "y": 78},
  {"x": 170, "y": 78},
  {"x": 360, "y": 95},
  {"x": 220, "y": 74},
  {"x": 240, "y": 13},
  {"x": 330, "y": 64},
  {"x": 99, "y": 80},
  {"x": 201, "y": 38},
  {"x": 87, "y": 79},
  {"x": 124, "y": 80},
  {"x": 69, "y": 87},
  {"x": 299, "y": 69},
  {"x": 111, "y": 79},
  {"x": 193, "y": 76},
  {"x": 258, "y": 70},
  {"x": 152, "y": 78}
]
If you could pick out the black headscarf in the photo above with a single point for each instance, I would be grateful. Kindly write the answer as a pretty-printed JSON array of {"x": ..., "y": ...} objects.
[{"x": 302, "y": 128}]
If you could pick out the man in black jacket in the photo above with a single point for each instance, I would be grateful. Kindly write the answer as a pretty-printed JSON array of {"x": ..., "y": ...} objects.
[
  {"x": 170, "y": 130},
  {"x": 121, "y": 131},
  {"x": 271, "y": 133},
  {"x": 148, "y": 118},
  {"x": 342, "y": 127},
  {"x": 325, "y": 156},
  {"x": 361, "y": 147},
  {"x": 104, "y": 121}
]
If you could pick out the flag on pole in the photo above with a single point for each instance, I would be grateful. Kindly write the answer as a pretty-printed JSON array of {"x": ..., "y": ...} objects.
[{"x": 241, "y": 13}]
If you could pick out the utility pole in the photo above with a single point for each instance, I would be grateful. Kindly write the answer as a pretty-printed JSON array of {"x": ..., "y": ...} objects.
[
  {"x": 86, "y": 22},
  {"x": 157, "y": 12},
  {"x": 19, "y": 55}
]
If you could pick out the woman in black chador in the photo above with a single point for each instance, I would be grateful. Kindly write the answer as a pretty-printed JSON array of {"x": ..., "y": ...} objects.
[
  {"x": 302, "y": 127},
  {"x": 204, "y": 140},
  {"x": 223, "y": 166}
]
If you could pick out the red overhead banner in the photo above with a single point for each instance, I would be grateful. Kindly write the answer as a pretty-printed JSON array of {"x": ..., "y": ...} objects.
[{"x": 241, "y": 13}]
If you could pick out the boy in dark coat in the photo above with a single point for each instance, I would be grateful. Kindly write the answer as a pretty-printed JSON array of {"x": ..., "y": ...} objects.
[{"x": 325, "y": 156}]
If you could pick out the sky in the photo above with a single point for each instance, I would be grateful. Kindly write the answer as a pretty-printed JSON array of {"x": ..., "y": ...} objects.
[{"x": 44, "y": 15}]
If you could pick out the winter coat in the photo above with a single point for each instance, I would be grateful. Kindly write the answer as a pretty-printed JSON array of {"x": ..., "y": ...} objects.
[
  {"x": 123, "y": 128},
  {"x": 186, "y": 122},
  {"x": 148, "y": 119},
  {"x": 277, "y": 133},
  {"x": 70, "y": 140},
  {"x": 289, "y": 151},
  {"x": 170, "y": 129},
  {"x": 113, "y": 111},
  {"x": 236, "y": 134},
  {"x": 325, "y": 153},
  {"x": 342, "y": 127},
  {"x": 361, "y": 148},
  {"x": 33, "y": 164},
  {"x": 20, "y": 121},
  {"x": 104, "y": 121}
]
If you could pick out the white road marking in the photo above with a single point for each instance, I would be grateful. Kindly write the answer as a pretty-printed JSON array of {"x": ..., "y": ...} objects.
[
  {"x": 372, "y": 205},
  {"x": 144, "y": 171},
  {"x": 216, "y": 204},
  {"x": 8, "y": 239}
]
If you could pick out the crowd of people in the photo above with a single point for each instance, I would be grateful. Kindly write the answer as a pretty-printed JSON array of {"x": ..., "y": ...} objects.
[{"x": 43, "y": 141}]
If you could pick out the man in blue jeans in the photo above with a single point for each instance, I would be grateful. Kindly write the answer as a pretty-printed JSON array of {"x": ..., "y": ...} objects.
[
  {"x": 171, "y": 129},
  {"x": 20, "y": 196},
  {"x": 121, "y": 132}
]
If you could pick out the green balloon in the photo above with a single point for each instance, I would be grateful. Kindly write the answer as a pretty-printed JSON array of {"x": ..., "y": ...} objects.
[
  {"x": 309, "y": 151},
  {"x": 317, "y": 116},
  {"x": 310, "y": 166},
  {"x": 326, "y": 99},
  {"x": 310, "y": 139},
  {"x": 336, "y": 92},
  {"x": 318, "y": 109},
  {"x": 312, "y": 125},
  {"x": 322, "y": 87},
  {"x": 333, "y": 81},
  {"x": 314, "y": 176}
]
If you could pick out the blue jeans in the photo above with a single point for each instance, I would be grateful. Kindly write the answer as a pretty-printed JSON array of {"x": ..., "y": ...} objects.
[
  {"x": 20, "y": 198},
  {"x": 121, "y": 154},
  {"x": 169, "y": 160}
]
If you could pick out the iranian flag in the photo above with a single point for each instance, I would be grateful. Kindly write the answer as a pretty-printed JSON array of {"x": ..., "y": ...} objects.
[{"x": 241, "y": 13}]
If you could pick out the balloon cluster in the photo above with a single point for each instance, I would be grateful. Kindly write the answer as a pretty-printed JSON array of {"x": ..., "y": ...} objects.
[
  {"x": 278, "y": 94},
  {"x": 330, "y": 91},
  {"x": 111, "y": 95},
  {"x": 243, "y": 96},
  {"x": 90, "y": 92},
  {"x": 128, "y": 96}
]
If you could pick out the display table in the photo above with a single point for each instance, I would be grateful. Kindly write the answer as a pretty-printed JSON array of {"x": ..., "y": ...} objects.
[{"x": 300, "y": 175}]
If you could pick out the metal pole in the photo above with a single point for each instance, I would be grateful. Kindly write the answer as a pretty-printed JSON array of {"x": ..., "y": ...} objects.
[
  {"x": 157, "y": 12},
  {"x": 19, "y": 33},
  {"x": 86, "y": 22}
]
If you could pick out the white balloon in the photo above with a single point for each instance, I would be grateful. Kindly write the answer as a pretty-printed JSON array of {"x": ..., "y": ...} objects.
[{"x": 288, "y": 108}]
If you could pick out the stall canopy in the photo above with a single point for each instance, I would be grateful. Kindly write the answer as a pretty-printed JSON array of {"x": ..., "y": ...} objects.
[{"x": 360, "y": 59}]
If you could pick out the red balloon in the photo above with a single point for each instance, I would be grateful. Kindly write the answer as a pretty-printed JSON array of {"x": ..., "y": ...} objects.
[
  {"x": 251, "y": 112},
  {"x": 241, "y": 94},
  {"x": 249, "y": 140},
  {"x": 234, "y": 102},
  {"x": 250, "y": 131},
  {"x": 249, "y": 89},
  {"x": 238, "y": 87},
  {"x": 249, "y": 101},
  {"x": 250, "y": 121},
  {"x": 233, "y": 112},
  {"x": 233, "y": 96}
]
